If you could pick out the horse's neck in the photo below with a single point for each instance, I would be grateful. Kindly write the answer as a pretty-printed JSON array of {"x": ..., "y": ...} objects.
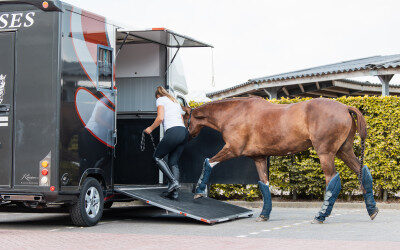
[
  {"x": 213, "y": 114},
  {"x": 211, "y": 122}
]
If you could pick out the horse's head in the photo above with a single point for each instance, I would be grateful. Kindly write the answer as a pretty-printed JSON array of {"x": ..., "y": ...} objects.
[{"x": 192, "y": 121}]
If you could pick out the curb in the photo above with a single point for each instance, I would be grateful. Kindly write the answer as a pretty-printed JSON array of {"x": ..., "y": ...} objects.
[{"x": 313, "y": 204}]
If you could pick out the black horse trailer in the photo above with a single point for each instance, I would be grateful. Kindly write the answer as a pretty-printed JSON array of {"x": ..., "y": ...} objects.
[{"x": 63, "y": 138}]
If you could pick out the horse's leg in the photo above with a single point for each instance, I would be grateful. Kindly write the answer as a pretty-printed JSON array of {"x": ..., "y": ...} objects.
[
  {"x": 224, "y": 154},
  {"x": 346, "y": 154},
  {"x": 261, "y": 165},
  {"x": 333, "y": 186}
]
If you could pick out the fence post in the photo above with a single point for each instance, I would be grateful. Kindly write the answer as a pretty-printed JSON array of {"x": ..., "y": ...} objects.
[
  {"x": 385, "y": 195},
  {"x": 294, "y": 195}
]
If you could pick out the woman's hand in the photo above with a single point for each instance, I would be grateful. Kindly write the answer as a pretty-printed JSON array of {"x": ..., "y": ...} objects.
[
  {"x": 148, "y": 130},
  {"x": 157, "y": 121}
]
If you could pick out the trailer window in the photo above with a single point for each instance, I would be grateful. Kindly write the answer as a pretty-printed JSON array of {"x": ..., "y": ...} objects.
[{"x": 105, "y": 67}]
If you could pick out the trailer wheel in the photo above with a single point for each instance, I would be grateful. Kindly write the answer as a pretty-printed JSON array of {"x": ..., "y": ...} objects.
[{"x": 87, "y": 211}]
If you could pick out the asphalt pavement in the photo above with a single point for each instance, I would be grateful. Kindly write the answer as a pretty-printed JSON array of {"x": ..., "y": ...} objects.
[{"x": 144, "y": 227}]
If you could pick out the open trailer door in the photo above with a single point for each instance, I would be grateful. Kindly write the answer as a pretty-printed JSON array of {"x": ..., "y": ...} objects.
[
  {"x": 172, "y": 41},
  {"x": 160, "y": 36}
]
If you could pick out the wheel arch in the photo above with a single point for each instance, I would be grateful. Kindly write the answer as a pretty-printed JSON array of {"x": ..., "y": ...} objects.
[{"x": 95, "y": 173}]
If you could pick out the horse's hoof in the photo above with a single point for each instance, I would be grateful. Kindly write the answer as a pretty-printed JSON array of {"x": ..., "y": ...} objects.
[
  {"x": 315, "y": 221},
  {"x": 262, "y": 218},
  {"x": 197, "y": 196},
  {"x": 374, "y": 214}
]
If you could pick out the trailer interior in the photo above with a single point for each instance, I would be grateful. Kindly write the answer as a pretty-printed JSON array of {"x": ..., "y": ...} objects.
[{"x": 144, "y": 60}]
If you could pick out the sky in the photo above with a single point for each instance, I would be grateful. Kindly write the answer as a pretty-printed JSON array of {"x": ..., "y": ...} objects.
[{"x": 256, "y": 38}]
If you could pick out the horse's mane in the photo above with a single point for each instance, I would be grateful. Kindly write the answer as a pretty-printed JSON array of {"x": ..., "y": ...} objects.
[{"x": 229, "y": 100}]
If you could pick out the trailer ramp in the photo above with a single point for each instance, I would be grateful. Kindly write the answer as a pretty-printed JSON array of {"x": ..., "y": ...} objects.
[{"x": 204, "y": 209}]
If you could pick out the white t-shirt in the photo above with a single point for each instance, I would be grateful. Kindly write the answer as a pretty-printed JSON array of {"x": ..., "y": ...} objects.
[{"x": 172, "y": 113}]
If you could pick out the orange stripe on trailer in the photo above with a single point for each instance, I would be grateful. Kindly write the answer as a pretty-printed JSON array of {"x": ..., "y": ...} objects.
[
  {"x": 185, "y": 214},
  {"x": 147, "y": 202},
  {"x": 158, "y": 29},
  {"x": 204, "y": 220}
]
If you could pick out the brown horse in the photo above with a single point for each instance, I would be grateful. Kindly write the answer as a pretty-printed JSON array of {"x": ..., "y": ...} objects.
[{"x": 256, "y": 128}]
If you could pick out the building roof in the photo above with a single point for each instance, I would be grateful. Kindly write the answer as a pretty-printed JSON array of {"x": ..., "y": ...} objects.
[
  {"x": 374, "y": 65},
  {"x": 374, "y": 62}
]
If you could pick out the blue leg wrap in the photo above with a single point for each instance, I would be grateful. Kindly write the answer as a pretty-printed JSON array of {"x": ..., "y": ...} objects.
[
  {"x": 266, "y": 210},
  {"x": 369, "y": 195},
  {"x": 331, "y": 194},
  {"x": 204, "y": 178}
]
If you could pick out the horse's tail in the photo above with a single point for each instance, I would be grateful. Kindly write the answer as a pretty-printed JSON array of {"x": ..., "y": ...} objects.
[
  {"x": 361, "y": 123},
  {"x": 362, "y": 131}
]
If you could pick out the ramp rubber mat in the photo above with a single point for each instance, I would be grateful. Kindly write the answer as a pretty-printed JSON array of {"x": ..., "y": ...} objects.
[{"x": 204, "y": 209}]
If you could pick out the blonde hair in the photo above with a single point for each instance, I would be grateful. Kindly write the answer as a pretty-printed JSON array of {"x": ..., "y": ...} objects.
[{"x": 163, "y": 92}]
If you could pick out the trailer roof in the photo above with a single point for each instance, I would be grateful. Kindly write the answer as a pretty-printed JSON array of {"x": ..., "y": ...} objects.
[
  {"x": 49, "y": 5},
  {"x": 161, "y": 36}
]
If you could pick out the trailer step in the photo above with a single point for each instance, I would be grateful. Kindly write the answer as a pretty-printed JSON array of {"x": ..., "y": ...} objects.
[{"x": 204, "y": 209}]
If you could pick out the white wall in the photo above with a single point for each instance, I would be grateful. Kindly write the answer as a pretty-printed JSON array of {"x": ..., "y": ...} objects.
[{"x": 138, "y": 60}]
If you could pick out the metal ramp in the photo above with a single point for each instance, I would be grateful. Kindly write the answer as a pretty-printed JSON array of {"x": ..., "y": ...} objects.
[{"x": 204, "y": 209}]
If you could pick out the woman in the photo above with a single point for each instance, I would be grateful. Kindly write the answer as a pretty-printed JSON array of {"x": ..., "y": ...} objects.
[{"x": 169, "y": 113}]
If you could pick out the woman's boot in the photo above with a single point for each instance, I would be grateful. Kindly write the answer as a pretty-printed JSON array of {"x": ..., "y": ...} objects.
[
  {"x": 174, "y": 184},
  {"x": 175, "y": 171}
]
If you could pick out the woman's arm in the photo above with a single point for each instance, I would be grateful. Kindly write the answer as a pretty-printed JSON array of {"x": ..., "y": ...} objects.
[{"x": 157, "y": 121}]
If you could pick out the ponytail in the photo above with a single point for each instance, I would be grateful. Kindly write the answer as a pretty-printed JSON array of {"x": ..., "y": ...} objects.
[{"x": 163, "y": 92}]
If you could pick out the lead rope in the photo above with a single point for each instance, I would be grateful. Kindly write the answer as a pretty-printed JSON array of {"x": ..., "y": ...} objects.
[{"x": 143, "y": 142}]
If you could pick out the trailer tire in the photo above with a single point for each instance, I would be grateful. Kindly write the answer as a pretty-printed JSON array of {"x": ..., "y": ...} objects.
[{"x": 91, "y": 192}]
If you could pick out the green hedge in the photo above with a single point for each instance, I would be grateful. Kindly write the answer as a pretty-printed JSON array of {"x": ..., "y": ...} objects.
[{"x": 301, "y": 173}]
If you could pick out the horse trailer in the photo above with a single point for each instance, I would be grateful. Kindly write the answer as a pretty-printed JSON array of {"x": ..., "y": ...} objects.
[{"x": 67, "y": 134}]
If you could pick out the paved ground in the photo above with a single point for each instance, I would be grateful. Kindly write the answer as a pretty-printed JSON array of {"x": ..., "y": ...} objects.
[{"x": 145, "y": 228}]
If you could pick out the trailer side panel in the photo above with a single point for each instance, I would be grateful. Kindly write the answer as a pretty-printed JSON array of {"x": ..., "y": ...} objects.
[
  {"x": 33, "y": 114},
  {"x": 88, "y": 100}
]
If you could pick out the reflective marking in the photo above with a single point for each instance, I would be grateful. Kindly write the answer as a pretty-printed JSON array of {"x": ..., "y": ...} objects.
[
  {"x": 266, "y": 230},
  {"x": 255, "y": 233},
  {"x": 286, "y": 226},
  {"x": 338, "y": 214},
  {"x": 3, "y": 124},
  {"x": 143, "y": 188},
  {"x": 242, "y": 236},
  {"x": 3, "y": 118},
  {"x": 54, "y": 230},
  {"x": 296, "y": 224},
  {"x": 276, "y": 228}
]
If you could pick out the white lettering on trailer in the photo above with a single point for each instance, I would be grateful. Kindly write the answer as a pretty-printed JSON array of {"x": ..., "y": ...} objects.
[
  {"x": 2, "y": 87},
  {"x": 17, "y": 20},
  {"x": 29, "y": 18},
  {"x": 4, "y": 21},
  {"x": 3, "y": 118},
  {"x": 3, "y": 124}
]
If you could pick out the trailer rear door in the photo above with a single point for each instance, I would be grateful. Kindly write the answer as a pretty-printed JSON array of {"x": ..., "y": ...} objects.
[{"x": 7, "y": 63}]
